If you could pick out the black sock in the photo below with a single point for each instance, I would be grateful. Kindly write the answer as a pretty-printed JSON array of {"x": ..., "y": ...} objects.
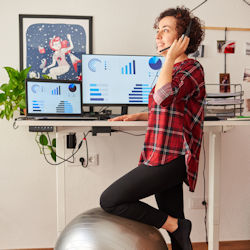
[{"x": 182, "y": 233}]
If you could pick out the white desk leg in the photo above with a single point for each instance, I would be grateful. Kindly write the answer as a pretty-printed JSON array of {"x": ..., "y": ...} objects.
[
  {"x": 214, "y": 191},
  {"x": 60, "y": 184}
]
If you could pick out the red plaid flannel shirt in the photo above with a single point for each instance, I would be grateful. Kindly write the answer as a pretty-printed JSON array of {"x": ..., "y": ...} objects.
[{"x": 175, "y": 120}]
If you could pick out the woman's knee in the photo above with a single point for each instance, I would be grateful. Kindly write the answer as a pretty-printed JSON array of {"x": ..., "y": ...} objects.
[{"x": 106, "y": 202}]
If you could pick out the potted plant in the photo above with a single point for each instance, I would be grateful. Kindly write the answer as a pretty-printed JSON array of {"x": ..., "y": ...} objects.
[{"x": 12, "y": 97}]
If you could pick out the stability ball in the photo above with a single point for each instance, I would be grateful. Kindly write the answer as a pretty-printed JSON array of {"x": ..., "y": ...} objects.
[{"x": 98, "y": 230}]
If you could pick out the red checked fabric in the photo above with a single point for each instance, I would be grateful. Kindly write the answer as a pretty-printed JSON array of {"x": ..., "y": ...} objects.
[{"x": 175, "y": 121}]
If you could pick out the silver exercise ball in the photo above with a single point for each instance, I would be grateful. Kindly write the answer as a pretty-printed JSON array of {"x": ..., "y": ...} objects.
[{"x": 98, "y": 230}]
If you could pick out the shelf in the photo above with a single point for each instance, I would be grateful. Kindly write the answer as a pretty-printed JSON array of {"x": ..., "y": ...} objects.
[
  {"x": 223, "y": 102},
  {"x": 223, "y": 110},
  {"x": 224, "y": 105},
  {"x": 224, "y": 95}
]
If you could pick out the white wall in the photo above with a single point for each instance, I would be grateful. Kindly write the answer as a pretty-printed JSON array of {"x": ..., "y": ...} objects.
[{"x": 27, "y": 183}]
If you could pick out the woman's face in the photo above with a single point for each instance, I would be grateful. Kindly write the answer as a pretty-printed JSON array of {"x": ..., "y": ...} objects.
[{"x": 166, "y": 33}]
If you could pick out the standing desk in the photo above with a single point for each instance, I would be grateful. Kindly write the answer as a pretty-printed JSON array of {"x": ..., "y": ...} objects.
[{"x": 213, "y": 128}]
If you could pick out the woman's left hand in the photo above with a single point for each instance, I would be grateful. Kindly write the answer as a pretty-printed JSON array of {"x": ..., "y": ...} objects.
[{"x": 178, "y": 48}]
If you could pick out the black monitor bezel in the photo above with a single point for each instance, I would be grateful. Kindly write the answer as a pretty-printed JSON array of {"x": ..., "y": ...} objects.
[{"x": 52, "y": 81}]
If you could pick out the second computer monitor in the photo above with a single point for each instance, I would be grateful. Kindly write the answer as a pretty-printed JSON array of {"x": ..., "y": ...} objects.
[{"x": 118, "y": 79}]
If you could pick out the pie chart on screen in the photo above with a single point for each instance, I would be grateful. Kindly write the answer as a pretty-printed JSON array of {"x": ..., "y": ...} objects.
[
  {"x": 72, "y": 87},
  {"x": 155, "y": 63},
  {"x": 36, "y": 88}
]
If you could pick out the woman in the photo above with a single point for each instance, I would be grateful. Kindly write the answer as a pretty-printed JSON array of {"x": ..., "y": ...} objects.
[{"x": 172, "y": 143}]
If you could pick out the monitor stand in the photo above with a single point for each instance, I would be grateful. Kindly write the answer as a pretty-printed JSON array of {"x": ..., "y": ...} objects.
[
  {"x": 107, "y": 113},
  {"x": 91, "y": 109},
  {"x": 124, "y": 109},
  {"x": 91, "y": 112}
]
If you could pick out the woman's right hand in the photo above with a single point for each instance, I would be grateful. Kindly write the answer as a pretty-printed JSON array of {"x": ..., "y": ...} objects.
[{"x": 132, "y": 117}]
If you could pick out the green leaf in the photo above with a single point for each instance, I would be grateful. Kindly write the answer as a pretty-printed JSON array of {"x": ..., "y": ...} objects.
[
  {"x": 13, "y": 98},
  {"x": 24, "y": 73},
  {"x": 17, "y": 92},
  {"x": 2, "y": 114},
  {"x": 11, "y": 113},
  {"x": 7, "y": 108},
  {"x": 22, "y": 104},
  {"x": 43, "y": 140},
  {"x": 13, "y": 73},
  {"x": 5, "y": 87},
  {"x": 46, "y": 77},
  {"x": 14, "y": 83},
  {"x": 53, "y": 156},
  {"x": 54, "y": 142},
  {"x": 3, "y": 97}
]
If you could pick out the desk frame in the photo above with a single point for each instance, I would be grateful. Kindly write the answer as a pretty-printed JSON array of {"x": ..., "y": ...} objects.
[{"x": 214, "y": 130}]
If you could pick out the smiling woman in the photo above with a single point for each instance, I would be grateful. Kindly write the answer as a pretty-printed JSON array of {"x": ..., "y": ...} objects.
[
  {"x": 170, "y": 155},
  {"x": 180, "y": 18}
]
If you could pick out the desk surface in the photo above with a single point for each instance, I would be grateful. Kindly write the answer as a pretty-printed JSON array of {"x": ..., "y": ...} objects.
[{"x": 115, "y": 123}]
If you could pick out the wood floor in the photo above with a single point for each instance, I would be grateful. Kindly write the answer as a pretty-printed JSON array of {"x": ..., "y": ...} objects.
[{"x": 225, "y": 245}]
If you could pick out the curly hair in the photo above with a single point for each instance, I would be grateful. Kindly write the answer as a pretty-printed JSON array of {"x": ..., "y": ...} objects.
[{"x": 183, "y": 17}]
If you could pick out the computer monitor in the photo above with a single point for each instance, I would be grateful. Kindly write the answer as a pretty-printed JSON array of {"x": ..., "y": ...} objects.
[
  {"x": 57, "y": 98},
  {"x": 118, "y": 79}
]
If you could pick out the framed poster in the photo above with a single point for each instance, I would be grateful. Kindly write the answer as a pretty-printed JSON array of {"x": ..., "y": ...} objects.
[
  {"x": 224, "y": 82},
  {"x": 53, "y": 44}
]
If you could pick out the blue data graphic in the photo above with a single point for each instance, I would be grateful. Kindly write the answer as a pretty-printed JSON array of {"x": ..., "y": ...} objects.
[
  {"x": 64, "y": 107},
  {"x": 105, "y": 65},
  {"x": 155, "y": 63},
  {"x": 129, "y": 69},
  {"x": 36, "y": 88},
  {"x": 93, "y": 63},
  {"x": 56, "y": 91},
  {"x": 140, "y": 93},
  {"x": 119, "y": 79},
  {"x": 37, "y": 106},
  {"x": 72, "y": 87},
  {"x": 97, "y": 92}
]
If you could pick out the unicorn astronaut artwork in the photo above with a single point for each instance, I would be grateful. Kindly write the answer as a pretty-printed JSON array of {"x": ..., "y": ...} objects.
[{"x": 55, "y": 50}]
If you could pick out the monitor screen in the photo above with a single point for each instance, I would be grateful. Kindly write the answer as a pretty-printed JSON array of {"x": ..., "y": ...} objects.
[
  {"x": 118, "y": 79},
  {"x": 53, "y": 97}
]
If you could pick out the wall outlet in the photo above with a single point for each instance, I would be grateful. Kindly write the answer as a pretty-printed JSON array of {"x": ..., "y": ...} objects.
[
  {"x": 93, "y": 160},
  {"x": 76, "y": 159},
  {"x": 196, "y": 203}
]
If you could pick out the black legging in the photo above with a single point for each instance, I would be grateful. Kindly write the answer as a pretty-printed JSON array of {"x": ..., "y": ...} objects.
[{"x": 165, "y": 182}]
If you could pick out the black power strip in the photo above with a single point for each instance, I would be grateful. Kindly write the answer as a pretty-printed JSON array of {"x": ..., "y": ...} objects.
[
  {"x": 101, "y": 130},
  {"x": 41, "y": 128}
]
